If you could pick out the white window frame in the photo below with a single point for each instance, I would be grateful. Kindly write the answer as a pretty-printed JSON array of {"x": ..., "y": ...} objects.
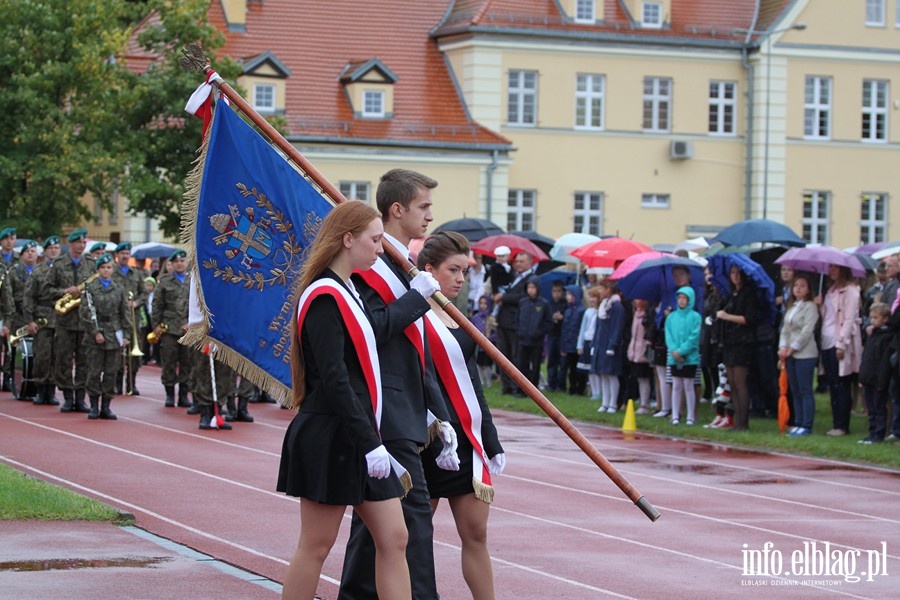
[
  {"x": 356, "y": 190},
  {"x": 521, "y": 96},
  {"x": 719, "y": 103},
  {"x": 647, "y": 10},
  {"x": 264, "y": 97},
  {"x": 875, "y": 13},
  {"x": 585, "y": 11},
  {"x": 877, "y": 113},
  {"x": 373, "y": 104},
  {"x": 521, "y": 210},
  {"x": 817, "y": 228},
  {"x": 871, "y": 228},
  {"x": 583, "y": 211},
  {"x": 658, "y": 103},
  {"x": 816, "y": 105},
  {"x": 587, "y": 99},
  {"x": 656, "y": 201}
]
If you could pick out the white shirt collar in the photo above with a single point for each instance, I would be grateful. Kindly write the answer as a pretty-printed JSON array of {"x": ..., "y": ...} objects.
[{"x": 404, "y": 251}]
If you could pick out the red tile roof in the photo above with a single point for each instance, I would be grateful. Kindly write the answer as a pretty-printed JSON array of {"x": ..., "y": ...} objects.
[{"x": 316, "y": 40}]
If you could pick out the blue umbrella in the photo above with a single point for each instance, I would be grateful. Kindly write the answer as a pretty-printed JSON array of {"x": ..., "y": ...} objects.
[
  {"x": 652, "y": 280},
  {"x": 719, "y": 268},
  {"x": 758, "y": 231},
  {"x": 152, "y": 250}
]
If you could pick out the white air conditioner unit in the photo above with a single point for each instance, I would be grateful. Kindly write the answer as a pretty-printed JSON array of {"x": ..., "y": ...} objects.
[{"x": 681, "y": 149}]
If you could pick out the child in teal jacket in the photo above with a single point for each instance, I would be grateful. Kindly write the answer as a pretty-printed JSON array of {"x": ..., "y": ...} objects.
[{"x": 683, "y": 343}]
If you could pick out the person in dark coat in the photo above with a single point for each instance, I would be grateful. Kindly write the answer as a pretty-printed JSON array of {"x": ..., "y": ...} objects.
[
  {"x": 608, "y": 348},
  {"x": 568, "y": 345},
  {"x": 558, "y": 307},
  {"x": 535, "y": 322},
  {"x": 332, "y": 454},
  {"x": 875, "y": 372},
  {"x": 508, "y": 316}
]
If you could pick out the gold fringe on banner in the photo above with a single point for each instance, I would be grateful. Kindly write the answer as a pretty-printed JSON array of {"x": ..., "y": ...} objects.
[
  {"x": 197, "y": 335},
  {"x": 483, "y": 492}
]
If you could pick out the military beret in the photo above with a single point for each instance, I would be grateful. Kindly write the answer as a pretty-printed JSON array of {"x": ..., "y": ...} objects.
[
  {"x": 78, "y": 234},
  {"x": 178, "y": 254},
  {"x": 6, "y": 232},
  {"x": 96, "y": 247},
  {"x": 51, "y": 240},
  {"x": 123, "y": 246},
  {"x": 29, "y": 244},
  {"x": 103, "y": 259}
]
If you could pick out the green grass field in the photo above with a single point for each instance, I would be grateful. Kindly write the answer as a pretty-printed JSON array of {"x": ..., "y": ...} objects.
[
  {"x": 763, "y": 433},
  {"x": 24, "y": 497}
]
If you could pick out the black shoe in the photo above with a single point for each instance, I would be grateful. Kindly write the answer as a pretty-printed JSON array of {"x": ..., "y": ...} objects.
[
  {"x": 105, "y": 413},
  {"x": 94, "y": 413}
]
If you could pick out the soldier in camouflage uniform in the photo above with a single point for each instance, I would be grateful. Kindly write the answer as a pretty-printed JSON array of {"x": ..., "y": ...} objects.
[
  {"x": 8, "y": 260},
  {"x": 132, "y": 281},
  {"x": 66, "y": 275},
  {"x": 16, "y": 279},
  {"x": 245, "y": 391},
  {"x": 203, "y": 382},
  {"x": 170, "y": 308},
  {"x": 106, "y": 320},
  {"x": 37, "y": 303}
]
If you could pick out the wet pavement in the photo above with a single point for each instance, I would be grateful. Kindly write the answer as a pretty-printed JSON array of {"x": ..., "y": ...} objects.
[{"x": 84, "y": 560}]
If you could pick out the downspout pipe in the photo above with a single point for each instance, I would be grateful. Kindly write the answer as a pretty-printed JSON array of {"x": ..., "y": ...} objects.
[
  {"x": 748, "y": 159},
  {"x": 490, "y": 183}
]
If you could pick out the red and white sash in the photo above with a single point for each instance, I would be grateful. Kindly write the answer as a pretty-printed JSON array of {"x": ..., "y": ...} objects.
[
  {"x": 389, "y": 287},
  {"x": 363, "y": 337},
  {"x": 453, "y": 372}
]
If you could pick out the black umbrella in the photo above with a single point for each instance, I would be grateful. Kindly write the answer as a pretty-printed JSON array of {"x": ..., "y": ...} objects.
[
  {"x": 544, "y": 243},
  {"x": 473, "y": 229}
]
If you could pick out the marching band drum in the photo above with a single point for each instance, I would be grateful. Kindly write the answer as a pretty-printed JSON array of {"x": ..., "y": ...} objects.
[{"x": 22, "y": 384}]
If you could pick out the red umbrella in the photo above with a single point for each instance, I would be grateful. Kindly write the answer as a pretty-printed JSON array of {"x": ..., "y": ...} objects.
[
  {"x": 515, "y": 244},
  {"x": 608, "y": 252}
]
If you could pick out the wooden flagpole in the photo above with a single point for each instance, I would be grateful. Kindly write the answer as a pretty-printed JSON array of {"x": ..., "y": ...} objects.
[{"x": 194, "y": 55}]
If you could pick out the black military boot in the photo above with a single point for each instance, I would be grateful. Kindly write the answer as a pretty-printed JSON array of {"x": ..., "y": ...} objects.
[
  {"x": 230, "y": 412},
  {"x": 50, "y": 394},
  {"x": 80, "y": 406},
  {"x": 119, "y": 384},
  {"x": 243, "y": 414},
  {"x": 40, "y": 397},
  {"x": 68, "y": 401},
  {"x": 170, "y": 395},
  {"x": 105, "y": 413},
  {"x": 133, "y": 377},
  {"x": 95, "y": 408}
]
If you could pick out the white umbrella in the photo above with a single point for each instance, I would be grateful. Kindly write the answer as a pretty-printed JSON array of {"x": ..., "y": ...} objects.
[
  {"x": 697, "y": 243},
  {"x": 568, "y": 242}
]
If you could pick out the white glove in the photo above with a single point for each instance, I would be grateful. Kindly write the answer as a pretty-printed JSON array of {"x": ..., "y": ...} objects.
[
  {"x": 448, "y": 459},
  {"x": 497, "y": 463},
  {"x": 425, "y": 284},
  {"x": 379, "y": 463},
  {"x": 610, "y": 352}
]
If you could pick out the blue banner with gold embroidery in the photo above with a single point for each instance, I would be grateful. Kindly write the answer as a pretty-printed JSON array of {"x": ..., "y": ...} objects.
[{"x": 250, "y": 223}]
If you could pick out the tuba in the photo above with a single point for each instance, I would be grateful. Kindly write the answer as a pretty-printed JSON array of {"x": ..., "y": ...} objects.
[
  {"x": 152, "y": 338},
  {"x": 67, "y": 301}
]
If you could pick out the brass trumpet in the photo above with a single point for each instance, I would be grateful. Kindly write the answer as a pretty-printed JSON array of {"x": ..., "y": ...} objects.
[
  {"x": 67, "y": 301},
  {"x": 23, "y": 331},
  {"x": 152, "y": 338}
]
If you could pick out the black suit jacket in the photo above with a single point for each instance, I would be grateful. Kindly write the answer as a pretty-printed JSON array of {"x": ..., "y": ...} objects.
[
  {"x": 509, "y": 312},
  {"x": 407, "y": 392}
]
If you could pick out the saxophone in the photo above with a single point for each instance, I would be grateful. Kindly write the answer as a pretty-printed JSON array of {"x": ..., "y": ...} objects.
[{"x": 67, "y": 301}]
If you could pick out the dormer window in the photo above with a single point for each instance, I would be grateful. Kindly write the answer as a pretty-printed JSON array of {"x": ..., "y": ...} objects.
[
  {"x": 584, "y": 11},
  {"x": 265, "y": 77},
  {"x": 369, "y": 87},
  {"x": 651, "y": 15},
  {"x": 373, "y": 104},
  {"x": 264, "y": 97}
]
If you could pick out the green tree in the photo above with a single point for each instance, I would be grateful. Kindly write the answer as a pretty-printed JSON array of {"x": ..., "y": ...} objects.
[
  {"x": 163, "y": 138},
  {"x": 59, "y": 89}
]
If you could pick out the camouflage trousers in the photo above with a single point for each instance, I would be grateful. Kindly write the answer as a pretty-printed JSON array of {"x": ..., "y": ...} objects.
[
  {"x": 42, "y": 362},
  {"x": 68, "y": 350},
  {"x": 103, "y": 366},
  {"x": 177, "y": 361},
  {"x": 203, "y": 380}
]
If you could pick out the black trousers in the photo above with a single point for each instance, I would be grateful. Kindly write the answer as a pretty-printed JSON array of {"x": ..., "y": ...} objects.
[{"x": 358, "y": 577}]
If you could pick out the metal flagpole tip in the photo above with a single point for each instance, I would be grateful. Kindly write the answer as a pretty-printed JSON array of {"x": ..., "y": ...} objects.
[{"x": 648, "y": 509}]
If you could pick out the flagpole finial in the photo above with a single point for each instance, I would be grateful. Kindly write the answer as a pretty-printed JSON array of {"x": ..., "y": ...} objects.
[{"x": 194, "y": 58}]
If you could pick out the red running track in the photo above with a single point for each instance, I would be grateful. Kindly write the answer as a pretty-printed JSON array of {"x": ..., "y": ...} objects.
[{"x": 559, "y": 528}]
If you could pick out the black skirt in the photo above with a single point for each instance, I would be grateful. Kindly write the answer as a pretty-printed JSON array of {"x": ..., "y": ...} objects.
[
  {"x": 320, "y": 462},
  {"x": 737, "y": 356},
  {"x": 447, "y": 484}
]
